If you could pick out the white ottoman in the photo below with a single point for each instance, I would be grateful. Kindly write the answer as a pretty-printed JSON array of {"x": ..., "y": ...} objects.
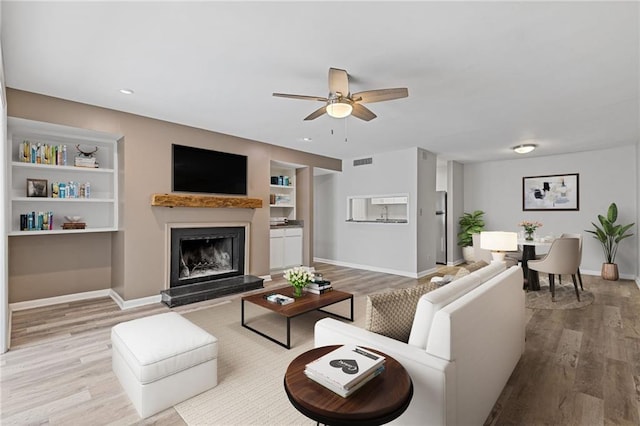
[{"x": 162, "y": 360}]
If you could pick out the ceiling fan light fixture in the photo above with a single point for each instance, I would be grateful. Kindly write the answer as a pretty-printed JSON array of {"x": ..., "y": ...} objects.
[
  {"x": 337, "y": 108},
  {"x": 524, "y": 148}
]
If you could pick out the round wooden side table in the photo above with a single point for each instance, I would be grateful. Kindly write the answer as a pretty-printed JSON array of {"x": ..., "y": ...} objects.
[{"x": 381, "y": 400}]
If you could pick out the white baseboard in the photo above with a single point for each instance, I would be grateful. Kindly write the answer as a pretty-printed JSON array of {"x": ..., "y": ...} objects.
[
  {"x": 38, "y": 303},
  {"x": 266, "y": 278},
  {"x": 367, "y": 267},
  {"x": 597, "y": 274},
  {"x": 134, "y": 303}
]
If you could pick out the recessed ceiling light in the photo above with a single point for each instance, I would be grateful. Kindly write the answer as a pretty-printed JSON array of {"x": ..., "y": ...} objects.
[
  {"x": 306, "y": 139},
  {"x": 524, "y": 148},
  {"x": 126, "y": 91}
]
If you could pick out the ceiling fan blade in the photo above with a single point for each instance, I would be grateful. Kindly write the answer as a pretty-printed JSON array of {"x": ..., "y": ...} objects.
[
  {"x": 303, "y": 97},
  {"x": 338, "y": 82},
  {"x": 362, "y": 112},
  {"x": 369, "y": 96},
  {"x": 317, "y": 113}
]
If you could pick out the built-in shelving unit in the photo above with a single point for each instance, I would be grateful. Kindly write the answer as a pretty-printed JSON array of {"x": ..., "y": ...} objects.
[
  {"x": 283, "y": 195},
  {"x": 99, "y": 210}
]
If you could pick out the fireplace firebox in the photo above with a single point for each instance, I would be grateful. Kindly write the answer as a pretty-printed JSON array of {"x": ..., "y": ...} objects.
[
  {"x": 206, "y": 254},
  {"x": 207, "y": 262}
]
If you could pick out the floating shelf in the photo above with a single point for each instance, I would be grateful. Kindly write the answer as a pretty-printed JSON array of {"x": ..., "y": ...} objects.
[{"x": 206, "y": 201}]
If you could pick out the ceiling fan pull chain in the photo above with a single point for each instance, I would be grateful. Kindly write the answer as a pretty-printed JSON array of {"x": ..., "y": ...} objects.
[{"x": 345, "y": 130}]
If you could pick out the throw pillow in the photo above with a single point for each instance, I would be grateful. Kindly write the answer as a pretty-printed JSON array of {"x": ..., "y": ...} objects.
[
  {"x": 391, "y": 313},
  {"x": 462, "y": 272},
  {"x": 476, "y": 265}
]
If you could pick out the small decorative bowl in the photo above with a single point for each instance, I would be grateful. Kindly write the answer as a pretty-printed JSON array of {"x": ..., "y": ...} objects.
[{"x": 73, "y": 219}]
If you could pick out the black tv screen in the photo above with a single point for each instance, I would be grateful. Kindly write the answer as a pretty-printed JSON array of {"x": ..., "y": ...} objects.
[{"x": 208, "y": 171}]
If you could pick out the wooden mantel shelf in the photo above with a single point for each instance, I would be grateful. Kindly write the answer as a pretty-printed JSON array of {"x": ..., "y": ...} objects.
[{"x": 207, "y": 201}]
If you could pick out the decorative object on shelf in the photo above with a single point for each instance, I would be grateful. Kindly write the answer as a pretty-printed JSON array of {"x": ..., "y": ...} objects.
[
  {"x": 609, "y": 236},
  {"x": 86, "y": 158},
  {"x": 554, "y": 192},
  {"x": 529, "y": 228},
  {"x": 74, "y": 225},
  {"x": 298, "y": 277},
  {"x": 37, "y": 187},
  {"x": 73, "y": 218}
]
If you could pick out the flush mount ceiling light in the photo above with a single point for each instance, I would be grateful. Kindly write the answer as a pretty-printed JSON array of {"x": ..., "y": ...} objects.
[
  {"x": 339, "y": 108},
  {"x": 524, "y": 148},
  {"x": 126, "y": 91}
]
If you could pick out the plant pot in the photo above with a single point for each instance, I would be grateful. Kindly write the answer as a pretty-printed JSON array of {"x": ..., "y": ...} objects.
[
  {"x": 468, "y": 254},
  {"x": 610, "y": 271}
]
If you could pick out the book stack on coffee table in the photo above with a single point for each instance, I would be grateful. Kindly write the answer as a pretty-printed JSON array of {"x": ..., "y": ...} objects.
[
  {"x": 346, "y": 369},
  {"x": 318, "y": 286}
]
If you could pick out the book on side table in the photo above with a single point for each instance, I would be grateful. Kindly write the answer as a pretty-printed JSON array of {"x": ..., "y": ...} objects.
[{"x": 346, "y": 369}]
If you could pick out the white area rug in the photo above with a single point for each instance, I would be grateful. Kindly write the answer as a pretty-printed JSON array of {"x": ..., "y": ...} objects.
[{"x": 251, "y": 368}]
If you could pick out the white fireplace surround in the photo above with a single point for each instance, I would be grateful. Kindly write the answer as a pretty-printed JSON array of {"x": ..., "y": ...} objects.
[{"x": 167, "y": 250}]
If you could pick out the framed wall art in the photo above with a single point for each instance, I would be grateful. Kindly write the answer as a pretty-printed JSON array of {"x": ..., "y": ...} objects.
[
  {"x": 552, "y": 192},
  {"x": 37, "y": 188}
]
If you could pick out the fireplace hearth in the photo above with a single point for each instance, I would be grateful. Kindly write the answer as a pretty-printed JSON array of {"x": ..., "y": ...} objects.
[{"x": 205, "y": 263}]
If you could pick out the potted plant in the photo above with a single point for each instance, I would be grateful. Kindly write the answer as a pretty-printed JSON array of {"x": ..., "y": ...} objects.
[
  {"x": 470, "y": 223},
  {"x": 610, "y": 236}
]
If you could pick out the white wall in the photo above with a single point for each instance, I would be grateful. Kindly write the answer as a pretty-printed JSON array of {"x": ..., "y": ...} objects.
[
  {"x": 382, "y": 247},
  {"x": 606, "y": 176},
  {"x": 455, "y": 209},
  {"x": 425, "y": 215}
]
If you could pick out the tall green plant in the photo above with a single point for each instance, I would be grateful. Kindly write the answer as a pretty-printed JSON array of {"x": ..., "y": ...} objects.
[
  {"x": 610, "y": 234},
  {"x": 470, "y": 223}
]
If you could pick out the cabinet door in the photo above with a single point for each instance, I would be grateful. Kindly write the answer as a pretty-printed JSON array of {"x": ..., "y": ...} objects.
[
  {"x": 277, "y": 252},
  {"x": 293, "y": 250}
]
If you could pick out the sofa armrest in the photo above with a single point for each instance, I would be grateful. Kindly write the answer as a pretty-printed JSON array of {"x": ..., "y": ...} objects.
[{"x": 433, "y": 378}]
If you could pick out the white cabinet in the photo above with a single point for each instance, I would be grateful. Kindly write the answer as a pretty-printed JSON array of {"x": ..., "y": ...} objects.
[
  {"x": 293, "y": 247},
  {"x": 98, "y": 210},
  {"x": 286, "y": 248}
]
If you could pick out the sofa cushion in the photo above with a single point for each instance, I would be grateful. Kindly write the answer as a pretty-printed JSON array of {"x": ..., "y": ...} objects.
[
  {"x": 431, "y": 302},
  {"x": 391, "y": 313}
]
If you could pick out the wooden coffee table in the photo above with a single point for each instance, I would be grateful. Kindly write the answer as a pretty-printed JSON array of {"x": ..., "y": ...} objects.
[
  {"x": 306, "y": 303},
  {"x": 380, "y": 401}
]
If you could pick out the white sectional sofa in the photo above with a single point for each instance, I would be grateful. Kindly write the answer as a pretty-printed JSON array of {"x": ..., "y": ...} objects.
[{"x": 465, "y": 341}]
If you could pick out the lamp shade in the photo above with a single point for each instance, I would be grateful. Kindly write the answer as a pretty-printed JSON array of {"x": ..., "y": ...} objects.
[
  {"x": 339, "y": 109},
  {"x": 499, "y": 241}
]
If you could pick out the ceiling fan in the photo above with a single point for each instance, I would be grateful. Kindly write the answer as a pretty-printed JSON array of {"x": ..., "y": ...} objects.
[{"x": 341, "y": 102}]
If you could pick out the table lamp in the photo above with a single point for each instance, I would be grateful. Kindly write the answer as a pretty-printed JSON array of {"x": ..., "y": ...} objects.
[{"x": 498, "y": 243}]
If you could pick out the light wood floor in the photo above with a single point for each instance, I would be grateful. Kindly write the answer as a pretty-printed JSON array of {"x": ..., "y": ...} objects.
[{"x": 580, "y": 366}]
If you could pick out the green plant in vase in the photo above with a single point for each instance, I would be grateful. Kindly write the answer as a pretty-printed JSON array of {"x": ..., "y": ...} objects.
[
  {"x": 298, "y": 277},
  {"x": 609, "y": 236}
]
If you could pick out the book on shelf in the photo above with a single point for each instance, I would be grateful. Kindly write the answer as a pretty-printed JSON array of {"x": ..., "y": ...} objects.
[
  {"x": 280, "y": 299},
  {"x": 342, "y": 391},
  {"x": 345, "y": 366}
]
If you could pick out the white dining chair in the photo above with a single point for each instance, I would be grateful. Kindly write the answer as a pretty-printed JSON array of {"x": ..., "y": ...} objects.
[{"x": 563, "y": 259}]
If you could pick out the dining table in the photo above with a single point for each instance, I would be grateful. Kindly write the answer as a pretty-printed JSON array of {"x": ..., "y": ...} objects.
[{"x": 532, "y": 282}]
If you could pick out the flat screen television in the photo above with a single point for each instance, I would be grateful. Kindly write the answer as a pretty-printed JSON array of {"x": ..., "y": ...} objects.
[{"x": 208, "y": 171}]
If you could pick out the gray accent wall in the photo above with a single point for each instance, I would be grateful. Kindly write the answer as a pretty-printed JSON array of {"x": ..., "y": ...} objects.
[{"x": 606, "y": 176}]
